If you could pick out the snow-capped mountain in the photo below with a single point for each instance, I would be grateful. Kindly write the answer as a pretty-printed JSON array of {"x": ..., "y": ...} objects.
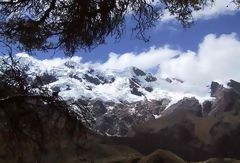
[
  {"x": 125, "y": 107},
  {"x": 117, "y": 99},
  {"x": 75, "y": 80}
]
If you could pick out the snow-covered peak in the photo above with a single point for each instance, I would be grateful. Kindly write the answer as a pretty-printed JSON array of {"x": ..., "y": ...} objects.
[{"x": 76, "y": 80}]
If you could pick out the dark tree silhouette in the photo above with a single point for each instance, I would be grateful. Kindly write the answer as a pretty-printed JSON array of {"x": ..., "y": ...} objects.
[
  {"x": 84, "y": 24},
  {"x": 33, "y": 118}
]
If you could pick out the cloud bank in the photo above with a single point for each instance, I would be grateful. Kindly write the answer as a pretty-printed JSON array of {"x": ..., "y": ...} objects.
[
  {"x": 217, "y": 59},
  {"x": 144, "y": 60}
]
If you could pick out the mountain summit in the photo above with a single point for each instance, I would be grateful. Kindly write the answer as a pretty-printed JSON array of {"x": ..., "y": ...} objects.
[
  {"x": 75, "y": 80},
  {"x": 117, "y": 99}
]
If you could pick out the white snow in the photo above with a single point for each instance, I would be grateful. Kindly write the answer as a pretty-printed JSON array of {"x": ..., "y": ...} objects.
[{"x": 117, "y": 91}]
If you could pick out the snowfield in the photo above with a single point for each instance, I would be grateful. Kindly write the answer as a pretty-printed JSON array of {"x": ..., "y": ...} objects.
[{"x": 76, "y": 80}]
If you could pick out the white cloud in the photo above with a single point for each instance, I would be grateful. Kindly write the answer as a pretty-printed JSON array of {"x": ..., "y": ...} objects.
[
  {"x": 216, "y": 59},
  {"x": 220, "y": 7},
  {"x": 144, "y": 60}
]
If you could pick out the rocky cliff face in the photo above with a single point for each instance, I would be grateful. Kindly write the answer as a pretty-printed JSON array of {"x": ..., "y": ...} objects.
[
  {"x": 194, "y": 131},
  {"x": 132, "y": 105},
  {"x": 117, "y": 99},
  {"x": 115, "y": 119},
  {"x": 55, "y": 134}
]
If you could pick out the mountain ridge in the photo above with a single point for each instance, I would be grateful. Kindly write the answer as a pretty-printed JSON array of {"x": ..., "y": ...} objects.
[
  {"x": 192, "y": 129},
  {"x": 117, "y": 99},
  {"x": 75, "y": 80}
]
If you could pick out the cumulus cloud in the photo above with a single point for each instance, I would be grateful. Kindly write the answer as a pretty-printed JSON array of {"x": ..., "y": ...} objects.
[
  {"x": 217, "y": 58},
  {"x": 220, "y": 7},
  {"x": 145, "y": 60}
]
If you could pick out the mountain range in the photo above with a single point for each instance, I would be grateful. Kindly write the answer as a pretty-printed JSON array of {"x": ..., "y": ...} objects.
[
  {"x": 131, "y": 115},
  {"x": 117, "y": 99}
]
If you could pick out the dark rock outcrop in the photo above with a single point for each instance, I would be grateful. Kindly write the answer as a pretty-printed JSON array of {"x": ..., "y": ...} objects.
[
  {"x": 98, "y": 108},
  {"x": 206, "y": 107},
  {"x": 149, "y": 89},
  {"x": 234, "y": 85},
  {"x": 117, "y": 118},
  {"x": 215, "y": 88},
  {"x": 227, "y": 99},
  {"x": 168, "y": 80},
  {"x": 186, "y": 104},
  {"x": 134, "y": 86},
  {"x": 70, "y": 64},
  {"x": 138, "y": 72},
  {"x": 44, "y": 79},
  {"x": 92, "y": 79},
  {"x": 178, "y": 80},
  {"x": 74, "y": 76},
  {"x": 192, "y": 131},
  {"x": 150, "y": 78}
]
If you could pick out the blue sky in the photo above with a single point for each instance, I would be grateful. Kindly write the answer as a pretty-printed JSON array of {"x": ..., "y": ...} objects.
[
  {"x": 217, "y": 20},
  {"x": 207, "y": 51},
  {"x": 171, "y": 33}
]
